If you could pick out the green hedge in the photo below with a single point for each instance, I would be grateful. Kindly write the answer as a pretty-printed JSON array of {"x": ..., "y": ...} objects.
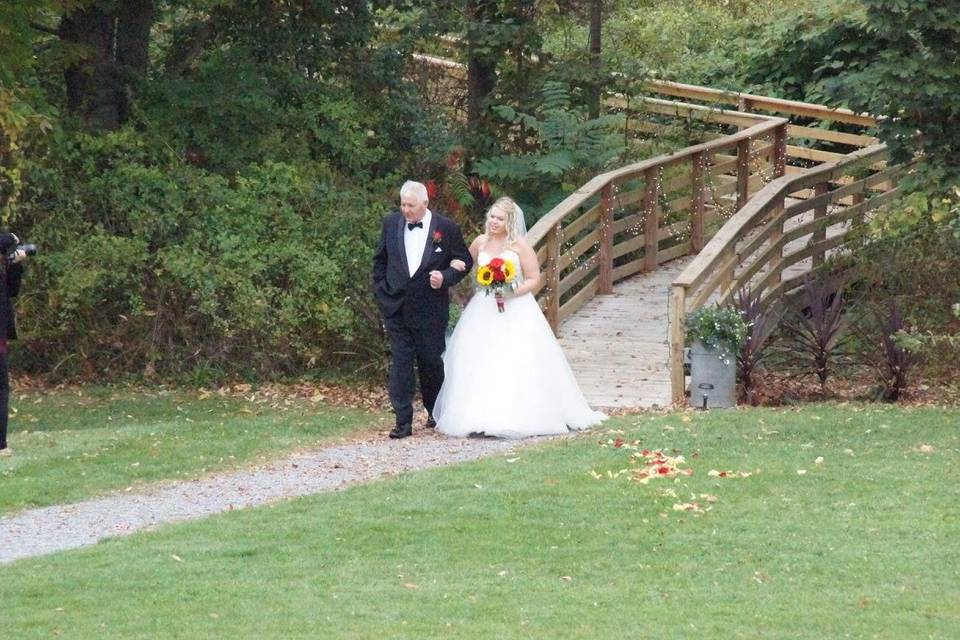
[{"x": 149, "y": 264}]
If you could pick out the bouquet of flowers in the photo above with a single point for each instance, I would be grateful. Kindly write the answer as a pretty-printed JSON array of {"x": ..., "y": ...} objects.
[{"x": 494, "y": 276}]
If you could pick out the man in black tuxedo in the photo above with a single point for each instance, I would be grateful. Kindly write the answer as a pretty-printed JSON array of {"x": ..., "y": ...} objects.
[{"x": 411, "y": 281}]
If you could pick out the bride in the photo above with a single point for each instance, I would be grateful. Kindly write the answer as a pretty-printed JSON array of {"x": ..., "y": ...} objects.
[{"x": 505, "y": 373}]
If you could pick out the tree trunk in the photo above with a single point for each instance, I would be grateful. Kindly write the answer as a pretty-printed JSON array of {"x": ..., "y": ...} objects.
[
  {"x": 116, "y": 52},
  {"x": 133, "y": 42},
  {"x": 92, "y": 88},
  {"x": 596, "y": 22},
  {"x": 481, "y": 67}
]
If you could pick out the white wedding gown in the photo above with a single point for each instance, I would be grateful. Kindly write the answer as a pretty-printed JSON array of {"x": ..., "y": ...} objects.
[{"x": 505, "y": 374}]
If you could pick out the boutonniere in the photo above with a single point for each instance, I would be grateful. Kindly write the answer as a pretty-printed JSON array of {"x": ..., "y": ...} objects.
[{"x": 437, "y": 237}]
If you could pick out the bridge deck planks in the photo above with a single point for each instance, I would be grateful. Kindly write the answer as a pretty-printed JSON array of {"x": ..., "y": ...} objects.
[{"x": 617, "y": 345}]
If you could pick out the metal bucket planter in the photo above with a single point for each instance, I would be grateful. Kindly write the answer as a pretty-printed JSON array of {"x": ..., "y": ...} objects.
[{"x": 713, "y": 377}]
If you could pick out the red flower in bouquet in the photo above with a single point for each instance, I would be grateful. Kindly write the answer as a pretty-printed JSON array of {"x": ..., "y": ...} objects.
[{"x": 494, "y": 276}]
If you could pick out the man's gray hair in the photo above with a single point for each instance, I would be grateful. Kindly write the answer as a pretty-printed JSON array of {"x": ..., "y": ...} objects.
[{"x": 414, "y": 190}]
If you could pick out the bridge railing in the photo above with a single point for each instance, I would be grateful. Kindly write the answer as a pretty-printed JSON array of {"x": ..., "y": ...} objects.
[
  {"x": 634, "y": 218},
  {"x": 806, "y": 137},
  {"x": 785, "y": 230}
]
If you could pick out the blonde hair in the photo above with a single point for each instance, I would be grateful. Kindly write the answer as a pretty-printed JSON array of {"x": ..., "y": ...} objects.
[{"x": 509, "y": 209}]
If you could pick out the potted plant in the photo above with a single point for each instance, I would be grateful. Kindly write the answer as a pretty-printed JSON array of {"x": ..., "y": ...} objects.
[{"x": 715, "y": 334}]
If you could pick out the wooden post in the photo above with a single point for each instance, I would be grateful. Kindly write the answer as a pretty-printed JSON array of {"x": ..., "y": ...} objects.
[
  {"x": 820, "y": 211},
  {"x": 678, "y": 382},
  {"x": 696, "y": 222},
  {"x": 605, "y": 279},
  {"x": 651, "y": 221},
  {"x": 726, "y": 278},
  {"x": 858, "y": 198},
  {"x": 780, "y": 150},
  {"x": 775, "y": 236},
  {"x": 743, "y": 172},
  {"x": 552, "y": 283},
  {"x": 745, "y": 105}
]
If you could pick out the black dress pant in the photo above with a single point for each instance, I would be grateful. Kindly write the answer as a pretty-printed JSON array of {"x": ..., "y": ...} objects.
[
  {"x": 4, "y": 399},
  {"x": 408, "y": 345}
]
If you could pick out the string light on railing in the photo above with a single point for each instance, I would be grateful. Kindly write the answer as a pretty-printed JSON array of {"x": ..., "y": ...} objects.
[
  {"x": 756, "y": 161},
  {"x": 717, "y": 200}
]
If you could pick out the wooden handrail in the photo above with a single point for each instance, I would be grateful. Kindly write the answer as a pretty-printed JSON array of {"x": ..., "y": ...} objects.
[
  {"x": 755, "y": 102},
  {"x": 754, "y": 239},
  {"x": 745, "y": 102},
  {"x": 536, "y": 234},
  {"x": 593, "y": 261},
  {"x": 747, "y": 217}
]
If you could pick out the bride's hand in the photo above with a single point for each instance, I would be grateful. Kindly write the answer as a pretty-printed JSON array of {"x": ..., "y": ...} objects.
[{"x": 458, "y": 264}]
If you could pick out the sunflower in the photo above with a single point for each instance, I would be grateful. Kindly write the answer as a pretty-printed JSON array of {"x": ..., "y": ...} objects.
[
  {"x": 509, "y": 271},
  {"x": 485, "y": 276}
]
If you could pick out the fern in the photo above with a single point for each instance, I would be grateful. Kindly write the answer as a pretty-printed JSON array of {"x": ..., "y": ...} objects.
[{"x": 568, "y": 147}]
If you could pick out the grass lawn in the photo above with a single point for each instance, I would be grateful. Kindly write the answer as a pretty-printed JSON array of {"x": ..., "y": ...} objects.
[
  {"x": 70, "y": 445},
  {"x": 848, "y": 526}
]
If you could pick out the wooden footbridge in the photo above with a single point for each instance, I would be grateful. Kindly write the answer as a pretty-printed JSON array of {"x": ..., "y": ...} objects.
[{"x": 768, "y": 195}]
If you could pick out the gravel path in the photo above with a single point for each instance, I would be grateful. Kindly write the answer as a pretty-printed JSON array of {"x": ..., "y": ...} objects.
[{"x": 40, "y": 531}]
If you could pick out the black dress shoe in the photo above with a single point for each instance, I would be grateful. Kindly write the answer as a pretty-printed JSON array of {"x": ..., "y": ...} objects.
[
  {"x": 402, "y": 431},
  {"x": 431, "y": 423}
]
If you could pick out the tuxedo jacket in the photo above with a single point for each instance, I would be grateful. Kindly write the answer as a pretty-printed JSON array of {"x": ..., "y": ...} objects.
[{"x": 410, "y": 299}]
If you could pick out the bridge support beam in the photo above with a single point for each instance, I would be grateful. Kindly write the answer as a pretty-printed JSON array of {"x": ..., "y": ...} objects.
[
  {"x": 605, "y": 278},
  {"x": 743, "y": 172},
  {"x": 651, "y": 221},
  {"x": 698, "y": 166},
  {"x": 780, "y": 151},
  {"x": 820, "y": 235},
  {"x": 552, "y": 284},
  {"x": 677, "y": 315}
]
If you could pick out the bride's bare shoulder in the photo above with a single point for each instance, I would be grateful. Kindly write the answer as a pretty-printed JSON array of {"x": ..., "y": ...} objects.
[
  {"x": 521, "y": 243},
  {"x": 521, "y": 246}
]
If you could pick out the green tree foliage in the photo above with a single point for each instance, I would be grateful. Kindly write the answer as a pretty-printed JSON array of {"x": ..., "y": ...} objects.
[
  {"x": 799, "y": 56},
  {"x": 18, "y": 113},
  {"x": 567, "y": 148},
  {"x": 224, "y": 226},
  {"x": 913, "y": 79}
]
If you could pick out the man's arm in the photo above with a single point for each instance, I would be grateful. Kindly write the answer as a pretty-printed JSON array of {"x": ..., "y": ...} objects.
[
  {"x": 380, "y": 257},
  {"x": 458, "y": 251}
]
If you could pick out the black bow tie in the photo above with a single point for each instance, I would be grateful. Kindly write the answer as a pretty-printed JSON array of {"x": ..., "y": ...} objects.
[{"x": 414, "y": 225}]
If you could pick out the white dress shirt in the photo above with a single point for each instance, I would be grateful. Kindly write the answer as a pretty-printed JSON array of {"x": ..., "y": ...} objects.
[{"x": 414, "y": 241}]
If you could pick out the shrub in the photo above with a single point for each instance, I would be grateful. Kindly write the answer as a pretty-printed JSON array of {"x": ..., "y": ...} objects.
[
  {"x": 817, "y": 341},
  {"x": 761, "y": 322},
  {"x": 893, "y": 361},
  {"x": 149, "y": 264}
]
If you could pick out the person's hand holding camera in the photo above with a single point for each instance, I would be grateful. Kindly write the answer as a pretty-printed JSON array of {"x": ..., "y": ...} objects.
[{"x": 12, "y": 250}]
